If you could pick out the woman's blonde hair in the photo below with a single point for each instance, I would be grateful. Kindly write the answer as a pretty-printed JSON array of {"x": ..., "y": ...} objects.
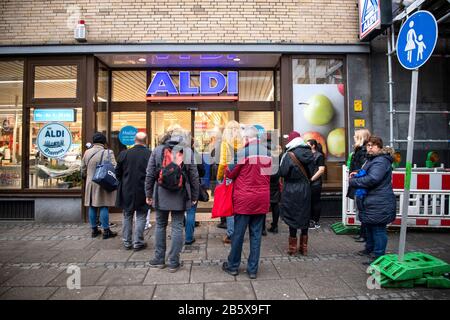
[
  {"x": 232, "y": 132},
  {"x": 361, "y": 137}
]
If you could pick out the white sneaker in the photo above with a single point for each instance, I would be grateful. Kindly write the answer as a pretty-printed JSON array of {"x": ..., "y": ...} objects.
[{"x": 148, "y": 226}]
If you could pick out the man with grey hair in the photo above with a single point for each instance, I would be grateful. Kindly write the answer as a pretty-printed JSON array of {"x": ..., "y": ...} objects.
[
  {"x": 130, "y": 172},
  {"x": 251, "y": 200}
]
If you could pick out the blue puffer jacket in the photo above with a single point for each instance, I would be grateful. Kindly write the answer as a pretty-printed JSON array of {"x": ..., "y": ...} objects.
[{"x": 379, "y": 205}]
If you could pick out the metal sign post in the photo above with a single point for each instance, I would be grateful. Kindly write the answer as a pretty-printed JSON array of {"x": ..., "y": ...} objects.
[
  {"x": 409, "y": 155},
  {"x": 415, "y": 44}
]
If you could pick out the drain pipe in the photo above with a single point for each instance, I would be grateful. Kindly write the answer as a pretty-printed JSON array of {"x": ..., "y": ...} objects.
[{"x": 390, "y": 32}]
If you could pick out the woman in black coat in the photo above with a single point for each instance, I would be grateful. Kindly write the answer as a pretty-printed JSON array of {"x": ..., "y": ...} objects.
[
  {"x": 295, "y": 205},
  {"x": 358, "y": 159},
  {"x": 377, "y": 203}
]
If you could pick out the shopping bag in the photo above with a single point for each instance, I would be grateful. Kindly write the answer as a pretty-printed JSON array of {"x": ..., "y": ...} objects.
[
  {"x": 223, "y": 200},
  {"x": 105, "y": 174}
]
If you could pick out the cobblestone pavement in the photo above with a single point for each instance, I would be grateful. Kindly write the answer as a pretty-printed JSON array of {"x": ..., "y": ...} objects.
[{"x": 34, "y": 259}]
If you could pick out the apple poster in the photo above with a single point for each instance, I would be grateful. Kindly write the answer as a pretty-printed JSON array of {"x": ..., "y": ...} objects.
[{"x": 319, "y": 114}]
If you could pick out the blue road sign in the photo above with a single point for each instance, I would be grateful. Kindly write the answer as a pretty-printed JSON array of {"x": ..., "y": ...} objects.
[{"x": 417, "y": 39}]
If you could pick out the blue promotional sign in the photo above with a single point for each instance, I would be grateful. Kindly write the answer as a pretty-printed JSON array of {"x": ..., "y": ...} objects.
[
  {"x": 417, "y": 39},
  {"x": 260, "y": 129},
  {"x": 127, "y": 134},
  {"x": 211, "y": 82},
  {"x": 50, "y": 115},
  {"x": 54, "y": 140}
]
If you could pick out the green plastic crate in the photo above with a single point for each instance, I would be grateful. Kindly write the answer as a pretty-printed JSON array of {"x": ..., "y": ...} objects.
[
  {"x": 415, "y": 265},
  {"x": 385, "y": 282},
  {"x": 340, "y": 228},
  {"x": 440, "y": 282}
]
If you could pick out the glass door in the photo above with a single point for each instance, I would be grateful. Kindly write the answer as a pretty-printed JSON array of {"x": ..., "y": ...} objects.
[
  {"x": 123, "y": 119},
  {"x": 208, "y": 129}
]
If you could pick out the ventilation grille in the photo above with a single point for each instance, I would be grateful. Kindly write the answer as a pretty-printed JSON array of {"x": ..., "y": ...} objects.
[{"x": 17, "y": 210}]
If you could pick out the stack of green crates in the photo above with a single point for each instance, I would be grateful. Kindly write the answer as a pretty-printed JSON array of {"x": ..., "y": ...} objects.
[
  {"x": 340, "y": 228},
  {"x": 416, "y": 269}
]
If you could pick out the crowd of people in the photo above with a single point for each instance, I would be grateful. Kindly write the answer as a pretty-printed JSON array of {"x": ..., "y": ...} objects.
[{"x": 264, "y": 178}]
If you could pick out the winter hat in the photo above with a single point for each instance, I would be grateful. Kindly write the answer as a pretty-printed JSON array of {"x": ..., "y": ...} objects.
[
  {"x": 99, "y": 138},
  {"x": 293, "y": 135}
]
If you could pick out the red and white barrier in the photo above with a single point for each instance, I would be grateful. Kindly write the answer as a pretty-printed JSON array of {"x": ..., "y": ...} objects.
[{"x": 429, "y": 199}]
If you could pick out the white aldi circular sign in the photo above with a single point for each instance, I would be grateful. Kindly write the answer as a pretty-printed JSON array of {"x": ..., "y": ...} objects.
[{"x": 54, "y": 140}]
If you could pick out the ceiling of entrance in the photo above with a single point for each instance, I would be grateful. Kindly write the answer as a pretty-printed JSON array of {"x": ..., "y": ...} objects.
[{"x": 226, "y": 60}]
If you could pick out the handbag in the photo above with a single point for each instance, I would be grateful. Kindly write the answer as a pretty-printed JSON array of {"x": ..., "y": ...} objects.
[
  {"x": 105, "y": 174},
  {"x": 223, "y": 200},
  {"x": 203, "y": 195}
]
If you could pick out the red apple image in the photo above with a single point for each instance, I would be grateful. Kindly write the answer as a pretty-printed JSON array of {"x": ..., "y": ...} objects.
[
  {"x": 341, "y": 88},
  {"x": 319, "y": 138}
]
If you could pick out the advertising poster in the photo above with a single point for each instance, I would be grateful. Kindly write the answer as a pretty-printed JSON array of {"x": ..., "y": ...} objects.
[{"x": 319, "y": 114}]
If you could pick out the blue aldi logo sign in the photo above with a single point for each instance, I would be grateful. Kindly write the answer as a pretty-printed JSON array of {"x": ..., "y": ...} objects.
[
  {"x": 54, "y": 140},
  {"x": 369, "y": 16}
]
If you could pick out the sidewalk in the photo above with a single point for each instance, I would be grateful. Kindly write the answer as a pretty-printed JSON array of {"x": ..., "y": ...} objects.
[{"x": 34, "y": 259}]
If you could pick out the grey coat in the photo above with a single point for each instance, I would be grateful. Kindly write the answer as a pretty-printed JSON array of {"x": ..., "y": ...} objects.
[
  {"x": 168, "y": 200},
  {"x": 94, "y": 195}
]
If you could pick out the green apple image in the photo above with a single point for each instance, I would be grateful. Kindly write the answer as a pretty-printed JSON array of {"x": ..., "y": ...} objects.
[
  {"x": 318, "y": 110},
  {"x": 336, "y": 142}
]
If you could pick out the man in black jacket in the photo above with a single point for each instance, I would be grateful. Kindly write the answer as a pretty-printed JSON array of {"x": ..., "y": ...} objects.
[{"x": 130, "y": 172}]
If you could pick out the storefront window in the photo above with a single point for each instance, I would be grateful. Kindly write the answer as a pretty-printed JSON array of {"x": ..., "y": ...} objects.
[
  {"x": 11, "y": 85},
  {"x": 129, "y": 85},
  {"x": 256, "y": 86},
  {"x": 55, "y": 148},
  {"x": 102, "y": 101},
  {"x": 165, "y": 120},
  {"x": 120, "y": 120},
  {"x": 55, "y": 82},
  {"x": 319, "y": 109},
  {"x": 264, "y": 119}
]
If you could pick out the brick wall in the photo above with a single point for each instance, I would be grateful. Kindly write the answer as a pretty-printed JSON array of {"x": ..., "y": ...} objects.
[{"x": 173, "y": 21}]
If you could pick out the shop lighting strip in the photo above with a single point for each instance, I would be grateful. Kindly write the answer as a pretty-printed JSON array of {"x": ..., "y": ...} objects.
[{"x": 191, "y": 98}]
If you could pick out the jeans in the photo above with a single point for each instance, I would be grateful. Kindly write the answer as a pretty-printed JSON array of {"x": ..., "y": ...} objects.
[
  {"x": 190, "y": 223},
  {"x": 104, "y": 217},
  {"x": 162, "y": 218},
  {"x": 255, "y": 223},
  {"x": 230, "y": 226},
  {"x": 138, "y": 228},
  {"x": 377, "y": 239}
]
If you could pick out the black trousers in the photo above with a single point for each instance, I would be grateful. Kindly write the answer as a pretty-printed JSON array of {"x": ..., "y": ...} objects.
[
  {"x": 316, "y": 205},
  {"x": 275, "y": 207},
  {"x": 293, "y": 232}
]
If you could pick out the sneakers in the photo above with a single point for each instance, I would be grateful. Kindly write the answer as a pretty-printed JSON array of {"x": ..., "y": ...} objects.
[
  {"x": 252, "y": 276},
  {"x": 230, "y": 272},
  {"x": 264, "y": 232},
  {"x": 156, "y": 264},
  {"x": 226, "y": 239},
  {"x": 314, "y": 225},
  {"x": 142, "y": 247},
  {"x": 222, "y": 225},
  {"x": 363, "y": 253},
  {"x": 273, "y": 229},
  {"x": 360, "y": 239},
  {"x": 197, "y": 224},
  {"x": 107, "y": 233},
  {"x": 188, "y": 243},
  {"x": 127, "y": 247},
  {"x": 173, "y": 269}
]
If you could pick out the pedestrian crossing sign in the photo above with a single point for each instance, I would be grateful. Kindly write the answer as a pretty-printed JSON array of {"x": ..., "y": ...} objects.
[{"x": 369, "y": 16}]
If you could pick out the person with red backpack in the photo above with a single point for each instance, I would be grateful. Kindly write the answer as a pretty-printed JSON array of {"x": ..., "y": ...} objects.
[{"x": 171, "y": 185}]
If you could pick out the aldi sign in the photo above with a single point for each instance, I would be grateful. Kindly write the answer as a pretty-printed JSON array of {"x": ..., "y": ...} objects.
[
  {"x": 369, "y": 16},
  {"x": 374, "y": 17}
]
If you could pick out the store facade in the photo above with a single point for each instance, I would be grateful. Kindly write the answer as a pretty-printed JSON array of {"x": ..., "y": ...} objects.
[{"x": 152, "y": 92}]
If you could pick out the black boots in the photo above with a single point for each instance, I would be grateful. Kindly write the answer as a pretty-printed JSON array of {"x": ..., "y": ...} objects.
[
  {"x": 95, "y": 232},
  {"x": 107, "y": 233}
]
